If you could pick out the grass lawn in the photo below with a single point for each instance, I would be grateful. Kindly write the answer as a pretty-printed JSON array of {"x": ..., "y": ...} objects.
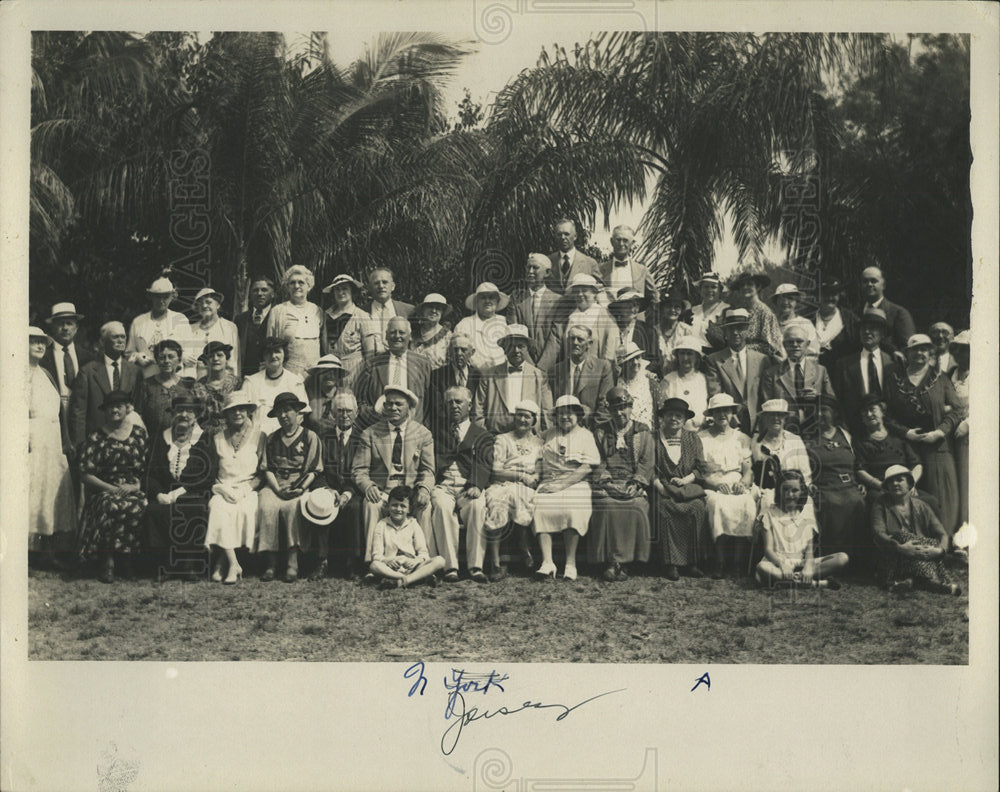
[{"x": 646, "y": 619}]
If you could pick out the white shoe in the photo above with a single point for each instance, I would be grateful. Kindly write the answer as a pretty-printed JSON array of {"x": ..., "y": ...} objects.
[
  {"x": 569, "y": 573},
  {"x": 546, "y": 570}
]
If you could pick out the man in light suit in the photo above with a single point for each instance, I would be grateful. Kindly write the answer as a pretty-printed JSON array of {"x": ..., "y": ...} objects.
[
  {"x": 604, "y": 333},
  {"x": 567, "y": 261},
  {"x": 398, "y": 365},
  {"x": 381, "y": 284},
  {"x": 98, "y": 378},
  {"x": 898, "y": 321},
  {"x": 621, "y": 270},
  {"x": 535, "y": 305},
  {"x": 863, "y": 372},
  {"x": 64, "y": 358},
  {"x": 464, "y": 463},
  {"x": 394, "y": 451},
  {"x": 799, "y": 379},
  {"x": 582, "y": 375},
  {"x": 509, "y": 383},
  {"x": 736, "y": 369}
]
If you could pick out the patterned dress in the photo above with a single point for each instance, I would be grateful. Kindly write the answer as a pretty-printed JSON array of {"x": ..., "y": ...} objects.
[
  {"x": 212, "y": 396},
  {"x": 763, "y": 331},
  {"x": 435, "y": 348},
  {"x": 344, "y": 333},
  {"x": 620, "y": 526},
  {"x": 114, "y": 522},
  {"x": 681, "y": 514},
  {"x": 570, "y": 507},
  {"x": 156, "y": 398},
  {"x": 279, "y": 522},
  {"x": 301, "y": 326},
  {"x": 913, "y": 521},
  {"x": 508, "y": 501}
]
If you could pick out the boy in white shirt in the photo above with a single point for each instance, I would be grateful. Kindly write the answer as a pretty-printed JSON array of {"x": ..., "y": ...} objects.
[{"x": 399, "y": 549}]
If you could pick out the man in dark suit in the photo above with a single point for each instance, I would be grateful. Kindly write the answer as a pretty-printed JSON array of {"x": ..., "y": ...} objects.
[
  {"x": 381, "y": 284},
  {"x": 463, "y": 453},
  {"x": 394, "y": 451},
  {"x": 345, "y": 532},
  {"x": 509, "y": 383},
  {"x": 535, "y": 305},
  {"x": 798, "y": 379},
  {"x": 625, "y": 309},
  {"x": 863, "y": 372},
  {"x": 567, "y": 261},
  {"x": 621, "y": 270},
  {"x": 398, "y": 365},
  {"x": 736, "y": 369},
  {"x": 582, "y": 375},
  {"x": 98, "y": 378},
  {"x": 456, "y": 371},
  {"x": 65, "y": 357},
  {"x": 252, "y": 324},
  {"x": 898, "y": 322}
]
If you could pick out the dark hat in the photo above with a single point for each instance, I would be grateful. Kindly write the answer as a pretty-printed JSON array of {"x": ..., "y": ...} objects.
[
  {"x": 212, "y": 347},
  {"x": 114, "y": 397},
  {"x": 675, "y": 298},
  {"x": 759, "y": 279},
  {"x": 274, "y": 342},
  {"x": 826, "y": 400},
  {"x": 675, "y": 405},
  {"x": 185, "y": 399},
  {"x": 618, "y": 395},
  {"x": 283, "y": 401},
  {"x": 868, "y": 400},
  {"x": 874, "y": 316},
  {"x": 626, "y": 295},
  {"x": 832, "y": 286}
]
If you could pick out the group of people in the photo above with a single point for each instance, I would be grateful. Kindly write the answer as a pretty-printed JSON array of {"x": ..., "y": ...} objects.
[{"x": 370, "y": 442}]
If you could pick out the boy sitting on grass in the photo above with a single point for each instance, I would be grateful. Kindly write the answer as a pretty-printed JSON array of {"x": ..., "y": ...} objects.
[
  {"x": 399, "y": 549},
  {"x": 788, "y": 528}
]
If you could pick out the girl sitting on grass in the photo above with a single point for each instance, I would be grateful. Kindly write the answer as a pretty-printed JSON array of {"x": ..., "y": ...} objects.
[
  {"x": 399, "y": 549},
  {"x": 789, "y": 529}
]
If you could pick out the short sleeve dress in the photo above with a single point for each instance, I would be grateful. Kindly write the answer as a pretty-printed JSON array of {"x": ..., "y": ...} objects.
[
  {"x": 279, "y": 522},
  {"x": 300, "y": 326},
  {"x": 512, "y": 500},
  {"x": 729, "y": 514},
  {"x": 571, "y": 507}
]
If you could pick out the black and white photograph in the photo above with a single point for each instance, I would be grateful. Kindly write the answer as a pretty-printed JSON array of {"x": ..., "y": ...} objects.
[{"x": 565, "y": 338}]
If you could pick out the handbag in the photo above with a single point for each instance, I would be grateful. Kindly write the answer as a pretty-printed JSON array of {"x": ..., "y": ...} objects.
[{"x": 686, "y": 492}]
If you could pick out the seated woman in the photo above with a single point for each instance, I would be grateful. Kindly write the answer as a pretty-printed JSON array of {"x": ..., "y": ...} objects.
[
  {"x": 226, "y": 465},
  {"x": 430, "y": 337},
  {"x": 219, "y": 381},
  {"x": 271, "y": 380},
  {"x": 840, "y": 500},
  {"x": 774, "y": 449},
  {"x": 687, "y": 382},
  {"x": 562, "y": 502},
  {"x": 728, "y": 481},
  {"x": 619, "y": 531},
  {"x": 175, "y": 518},
  {"x": 399, "y": 549},
  {"x": 912, "y": 540},
  {"x": 788, "y": 528},
  {"x": 291, "y": 459},
  {"x": 160, "y": 390},
  {"x": 511, "y": 496},
  {"x": 678, "y": 501},
  {"x": 112, "y": 462}
]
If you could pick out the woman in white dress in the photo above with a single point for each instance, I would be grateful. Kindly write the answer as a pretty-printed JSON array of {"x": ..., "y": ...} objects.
[
  {"x": 298, "y": 321},
  {"x": 686, "y": 381},
  {"x": 227, "y": 462},
  {"x": 773, "y": 450},
  {"x": 52, "y": 514},
  {"x": 563, "y": 498},
  {"x": 728, "y": 482}
]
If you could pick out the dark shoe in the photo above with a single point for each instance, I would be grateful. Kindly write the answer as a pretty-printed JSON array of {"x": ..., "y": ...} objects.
[
  {"x": 369, "y": 579},
  {"x": 432, "y": 581},
  {"x": 833, "y": 584},
  {"x": 671, "y": 572},
  {"x": 528, "y": 561},
  {"x": 620, "y": 575},
  {"x": 499, "y": 573},
  {"x": 611, "y": 573},
  {"x": 125, "y": 569},
  {"x": 268, "y": 575},
  {"x": 693, "y": 572},
  {"x": 478, "y": 575},
  {"x": 321, "y": 571},
  {"x": 451, "y": 576}
]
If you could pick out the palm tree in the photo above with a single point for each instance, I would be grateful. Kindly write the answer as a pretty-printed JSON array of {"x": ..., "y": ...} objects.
[{"x": 720, "y": 121}]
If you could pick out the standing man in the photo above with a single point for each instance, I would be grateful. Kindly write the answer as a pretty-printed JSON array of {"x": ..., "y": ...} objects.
[
  {"x": 899, "y": 323},
  {"x": 942, "y": 334},
  {"x": 111, "y": 371},
  {"x": 604, "y": 333},
  {"x": 798, "y": 379},
  {"x": 65, "y": 357},
  {"x": 736, "y": 369},
  {"x": 535, "y": 305},
  {"x": 397, "y": 365},
  {"x": 148, "y": 329},
  {"x": 381, "y": 285},
  {"x": 567, "y": 261},
  {"x": 394, "y": 451},
  {"x": 457, "y": 370},
  {"x": 582, "y": 375},
  {"x": 859, "y": 374},
  {"x": 511, "y": 382},
  {"x": 464, "y": 463},
  {"x": 252, "y": 324},
  {"x": 621, "y": 270}
]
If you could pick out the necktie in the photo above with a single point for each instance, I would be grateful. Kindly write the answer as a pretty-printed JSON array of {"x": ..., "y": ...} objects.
[
  {"x": 460, "y": 378},
  {"x": 456, "y": 435},
  {"x": 328, "y": 408},
  {"x": 397, "y": 449},
  {"x": 800, "y": 379},
  {"x": 575, "y": 382},
  {"x": 257, "y": 317},
  {"x": 739, "y": 374},
  {"x": 874, "y": 386},
  {"x": 69, "y": 370},
  {"x": 116, "y": 379},
  {"x": 514, "y": 369},
  {"x": 565, "y": 266},
  {"x": 394, "y": 371}
]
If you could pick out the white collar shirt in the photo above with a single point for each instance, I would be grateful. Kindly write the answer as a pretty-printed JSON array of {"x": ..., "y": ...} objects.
[
  {"x": 58, "y": 355},
  {"x": 865, "y": 354},
  {"x": 514, "y": 384},
  {"x": 397, "y": 370},
  {"x": 829, "y": 329}
]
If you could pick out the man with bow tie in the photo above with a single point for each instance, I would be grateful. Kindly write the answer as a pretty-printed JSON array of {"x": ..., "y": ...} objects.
[
  {"x": 464, "y": 462},
  {"x": 621, "y": 270},
  {"x": 509, "y": 383},
  {"x": 252, "y": 324}
]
